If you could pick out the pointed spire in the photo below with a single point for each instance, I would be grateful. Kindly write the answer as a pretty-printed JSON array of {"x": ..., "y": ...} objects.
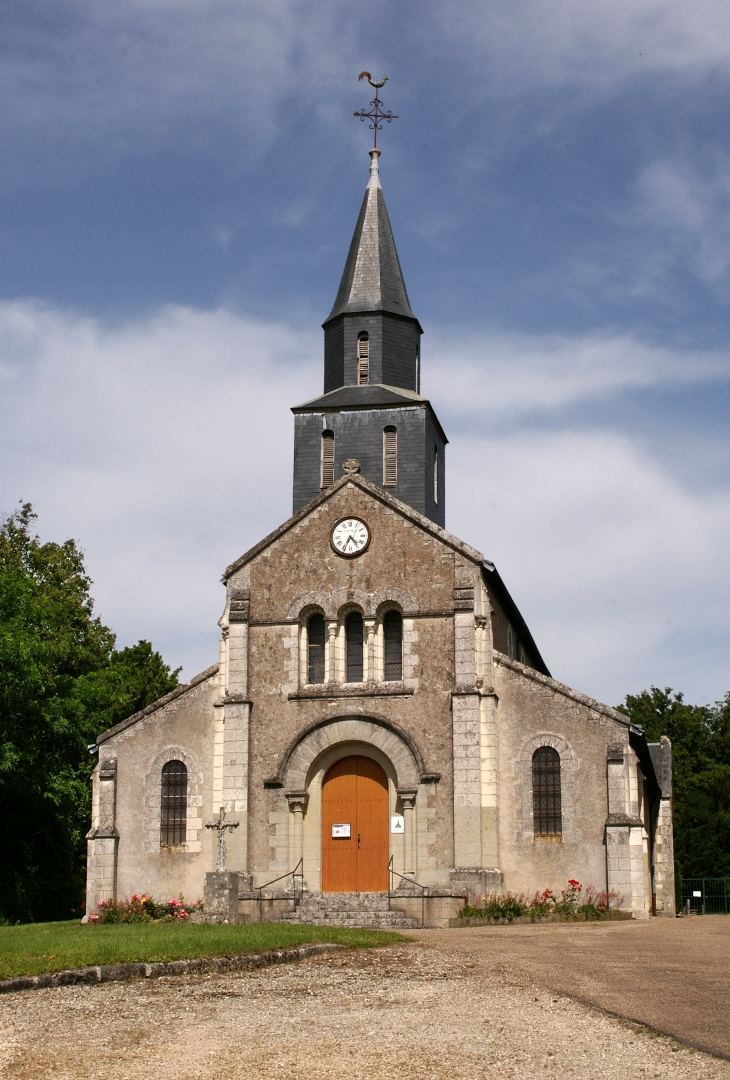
[{"x": 372, "y": 279}]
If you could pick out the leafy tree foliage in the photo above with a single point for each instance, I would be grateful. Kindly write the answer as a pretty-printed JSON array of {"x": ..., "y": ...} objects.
[
  {"x": 700, "y": 737},
  {"x": 61, "y": 682}
]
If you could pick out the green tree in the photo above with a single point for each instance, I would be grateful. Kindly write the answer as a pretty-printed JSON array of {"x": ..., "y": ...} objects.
[
  {"x": 61, "y": 682},
  {"x": 700, "y": 737}
]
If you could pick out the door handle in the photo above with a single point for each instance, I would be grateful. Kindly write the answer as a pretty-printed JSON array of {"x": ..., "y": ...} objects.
[{"x": 358, "y": 839}]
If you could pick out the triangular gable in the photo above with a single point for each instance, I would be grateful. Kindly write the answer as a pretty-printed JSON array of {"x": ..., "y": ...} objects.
[{"x": 376, "y": 492}]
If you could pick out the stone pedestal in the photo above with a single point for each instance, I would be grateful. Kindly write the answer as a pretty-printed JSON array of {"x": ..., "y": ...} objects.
[{"x": 221, "y": 897}]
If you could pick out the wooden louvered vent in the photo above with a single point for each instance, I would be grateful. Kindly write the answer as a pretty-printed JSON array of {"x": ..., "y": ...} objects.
[
  {"x": 328, "y": 459},
  {"x": 363, "y": 359},
  {"x": 390, "y": 457}
]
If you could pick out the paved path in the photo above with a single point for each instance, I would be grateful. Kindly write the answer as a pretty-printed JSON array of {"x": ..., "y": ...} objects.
[
  {"x": 671, "y": 974},
  {"x": 456, "y": 1005}
]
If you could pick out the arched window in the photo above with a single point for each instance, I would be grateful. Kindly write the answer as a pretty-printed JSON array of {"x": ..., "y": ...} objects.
[
  {"x": 546, "y": 798},
  {"x": 174, "y": 804},
  {"x": 353, "y": 644},
  {"x": 436, "y": 474},
  {"x": 393, "y": 638},
  {"x": 390, "y": 456},
  {"x": 328, "y": 458},
  {"x": 363, "y": 359},
  {"x": 315, "y": 649}
]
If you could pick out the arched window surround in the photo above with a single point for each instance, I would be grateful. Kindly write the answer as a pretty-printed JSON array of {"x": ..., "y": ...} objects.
[
  {"x": 153, "y": 804},
  {"x": 569, "y": 765},
  {"x": 381, "y": 652},
  {"x": 306, "y": 614}
]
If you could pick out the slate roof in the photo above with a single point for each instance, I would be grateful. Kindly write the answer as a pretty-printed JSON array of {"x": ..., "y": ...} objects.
[
  {"x": 369, "y": 396},
  {"x": 372, "y": 279}
]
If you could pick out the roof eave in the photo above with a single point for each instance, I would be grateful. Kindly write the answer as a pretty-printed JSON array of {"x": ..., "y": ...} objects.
[
  {"x": 514, "y": 615},
  {"x": 379, "y": 310}
]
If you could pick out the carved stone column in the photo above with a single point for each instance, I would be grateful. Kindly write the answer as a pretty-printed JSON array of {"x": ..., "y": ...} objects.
[
  {"x": 297, "y": 801},
  {"x": 332, "y": 651},
  {"x": 370, "y": 627},
  {"x": 408, "y": 801}
]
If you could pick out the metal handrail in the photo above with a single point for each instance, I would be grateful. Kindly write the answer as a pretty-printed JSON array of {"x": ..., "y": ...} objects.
[
  {"x": 293, "y": 874},
  {"x": 411, "y": 881}
]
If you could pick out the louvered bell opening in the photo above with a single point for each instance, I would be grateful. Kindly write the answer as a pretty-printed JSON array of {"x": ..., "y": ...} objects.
[
  {"x": 363, "y": 359},
  {"x": 328, "y": 459},
  {"x": 174, "y": 804},
  {"x": 390, "y": 457},
  {"x": 546, "y": 793}
]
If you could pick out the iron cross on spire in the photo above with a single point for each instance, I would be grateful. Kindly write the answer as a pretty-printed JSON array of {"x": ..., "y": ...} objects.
[
  {"x": 220, "y": 826},
  {"x": 376, "y": 114}
]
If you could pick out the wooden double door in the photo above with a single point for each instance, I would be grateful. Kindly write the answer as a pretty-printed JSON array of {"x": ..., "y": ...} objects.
[{"x": 355, "y": 847}]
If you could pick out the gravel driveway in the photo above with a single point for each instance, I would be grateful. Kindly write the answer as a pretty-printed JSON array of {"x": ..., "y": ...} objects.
[{"x": 442, "y": 1007}]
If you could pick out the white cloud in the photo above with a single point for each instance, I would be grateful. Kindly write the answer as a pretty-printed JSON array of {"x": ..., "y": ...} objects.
[
  {"x": 622, "y": 572},
  {"x": 165, "y": 445},
  {"x": 517, "y": 375},
  {"x": 527, "y": 45},
  {"x": 692, "y": 210},
  {"x": 130, "y": 77}
]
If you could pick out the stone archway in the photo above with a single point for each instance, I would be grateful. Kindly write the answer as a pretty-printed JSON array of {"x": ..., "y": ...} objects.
[{"x": 311, "y": 757}]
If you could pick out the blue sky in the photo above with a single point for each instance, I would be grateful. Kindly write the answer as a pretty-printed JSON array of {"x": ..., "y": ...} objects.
[{"x": 178, "y": 187}]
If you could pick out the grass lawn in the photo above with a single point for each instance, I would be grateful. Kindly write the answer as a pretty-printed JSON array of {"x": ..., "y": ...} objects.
[{"x": 35, "y": 947}]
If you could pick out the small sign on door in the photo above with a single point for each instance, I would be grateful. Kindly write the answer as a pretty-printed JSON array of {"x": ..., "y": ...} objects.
[
  {"x": 697, "y": 894},
  {"x": 397, "y": 824},
  {"x": 341, "y": 832}
]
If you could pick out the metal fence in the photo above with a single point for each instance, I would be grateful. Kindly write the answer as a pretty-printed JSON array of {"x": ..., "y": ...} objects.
[{"x": 706, "y": 896}]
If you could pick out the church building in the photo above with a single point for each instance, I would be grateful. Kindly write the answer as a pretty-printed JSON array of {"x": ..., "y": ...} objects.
[{"x": 380, "y": 735}]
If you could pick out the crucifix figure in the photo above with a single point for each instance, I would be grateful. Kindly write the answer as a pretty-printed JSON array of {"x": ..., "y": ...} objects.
[
  {"x": 220, "y": 826},
  {"x": 376, "y": 115}
]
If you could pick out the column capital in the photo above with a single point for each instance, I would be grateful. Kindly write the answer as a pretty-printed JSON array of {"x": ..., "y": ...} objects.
[{"x": 297, "y": 800}]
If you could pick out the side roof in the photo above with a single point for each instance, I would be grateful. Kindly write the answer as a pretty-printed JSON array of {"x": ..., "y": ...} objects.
[{"x": 178, "y": 692}]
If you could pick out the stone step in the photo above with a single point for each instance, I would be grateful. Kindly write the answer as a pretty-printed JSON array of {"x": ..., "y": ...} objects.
[{"x": 369, "y": 910}]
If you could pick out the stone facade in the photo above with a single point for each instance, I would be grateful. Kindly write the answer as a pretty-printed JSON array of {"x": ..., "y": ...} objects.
[
  {"x": 454, "y": 732},
  {"x": 455, "y": 737}
]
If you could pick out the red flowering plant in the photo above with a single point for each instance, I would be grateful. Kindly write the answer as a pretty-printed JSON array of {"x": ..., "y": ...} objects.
[
  {"x": 142, "y": 908},
  {"x": 573, "y": 900}
]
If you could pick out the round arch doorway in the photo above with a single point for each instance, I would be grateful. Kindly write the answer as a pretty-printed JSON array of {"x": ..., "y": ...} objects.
[{"x": 355, "y": 840}]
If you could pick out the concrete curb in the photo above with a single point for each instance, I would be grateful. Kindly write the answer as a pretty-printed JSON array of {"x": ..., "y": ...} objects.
[
  {"x": 609, "y": 916},
  {"x": 202, "y": 965}
]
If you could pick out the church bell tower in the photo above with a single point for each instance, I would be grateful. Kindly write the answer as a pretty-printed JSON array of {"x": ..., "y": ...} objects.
[{"x": 372, "y": 410}]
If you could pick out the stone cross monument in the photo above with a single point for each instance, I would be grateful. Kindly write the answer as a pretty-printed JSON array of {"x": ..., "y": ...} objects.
[{"x": 220, "y": 826}]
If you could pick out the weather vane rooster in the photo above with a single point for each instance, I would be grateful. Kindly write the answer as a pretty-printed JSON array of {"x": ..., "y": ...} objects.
[{"x": 376, "y": 114}]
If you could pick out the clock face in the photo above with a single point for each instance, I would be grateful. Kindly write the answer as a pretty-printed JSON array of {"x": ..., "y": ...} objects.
[{"x": 350, "y": 536}]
